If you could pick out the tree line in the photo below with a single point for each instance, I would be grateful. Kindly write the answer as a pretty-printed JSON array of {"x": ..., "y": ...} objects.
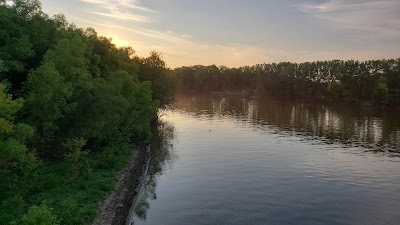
[
  {"x": 71, "y": 104},
  {"x": 336, "y": 80}
]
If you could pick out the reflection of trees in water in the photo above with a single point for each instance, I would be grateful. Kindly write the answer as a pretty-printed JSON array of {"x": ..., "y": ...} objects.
[
  {"x": 162, "y": 155},
  {"x": 354, "y": 126}
]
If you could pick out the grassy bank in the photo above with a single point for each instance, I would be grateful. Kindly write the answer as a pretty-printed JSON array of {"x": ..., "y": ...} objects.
[{"x": 73, "y": 199}]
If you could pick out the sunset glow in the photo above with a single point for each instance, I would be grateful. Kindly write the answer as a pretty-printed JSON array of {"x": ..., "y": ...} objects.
[{"x": 236, "y": 33}]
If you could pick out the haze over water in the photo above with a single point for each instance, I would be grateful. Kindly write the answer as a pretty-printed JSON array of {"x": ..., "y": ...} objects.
[{"x": 239, "y": 161}]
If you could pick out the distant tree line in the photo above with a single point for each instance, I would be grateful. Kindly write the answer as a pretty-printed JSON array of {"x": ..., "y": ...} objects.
[
  {"x": 372, "y": 81},
  {"x": 65, "y": 92}
]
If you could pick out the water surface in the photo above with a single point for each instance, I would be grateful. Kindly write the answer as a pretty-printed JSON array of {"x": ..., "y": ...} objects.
[{"x": 222, "y": 160}]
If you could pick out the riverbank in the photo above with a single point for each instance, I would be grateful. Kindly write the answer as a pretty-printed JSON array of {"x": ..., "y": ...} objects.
[
  {"x": 74, "y": 195},
  {"x": 115, "y": 208}
]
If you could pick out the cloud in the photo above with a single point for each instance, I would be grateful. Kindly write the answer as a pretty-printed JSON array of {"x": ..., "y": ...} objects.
[
  {"x": 129, "y": 10},
  {"x": 380, "y": 18},
  {"x": 132, "y": 5},
  {"x": 123, "y": 16},
  {"x": 110, "y": 4}
]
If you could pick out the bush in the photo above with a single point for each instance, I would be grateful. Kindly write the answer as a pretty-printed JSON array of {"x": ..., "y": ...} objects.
[
  {"x": 39, "y": 215},
  {"x": 77, "y": 157}
]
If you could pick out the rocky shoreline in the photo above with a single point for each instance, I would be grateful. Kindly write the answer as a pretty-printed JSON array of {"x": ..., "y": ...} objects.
[{"x": 115, "y": 208}]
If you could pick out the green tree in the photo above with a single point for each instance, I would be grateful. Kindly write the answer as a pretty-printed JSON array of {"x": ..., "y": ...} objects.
[
  {"x": 68, "y": 58},
  {"x": 47, "y": 101},
  {"x": 380, "y": 93},
  {"x": 81, "y": 92},
  {"x": 15, "y": 47},
  {"x": 17, "y": 164},
  {"x": 163, "y": 83},
  {"x": 27, "y": 8}
]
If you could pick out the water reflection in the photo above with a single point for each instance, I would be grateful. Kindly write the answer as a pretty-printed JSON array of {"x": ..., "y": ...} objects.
[
  {"x": 162, "y": 156},
  {"x": 262, "y": 161},
  {"x": 368, "y": 128}
]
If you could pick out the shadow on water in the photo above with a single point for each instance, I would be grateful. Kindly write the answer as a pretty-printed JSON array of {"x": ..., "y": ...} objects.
[
  {"x": 354, "y": 126},
  {"x": 162, "y": 156}
]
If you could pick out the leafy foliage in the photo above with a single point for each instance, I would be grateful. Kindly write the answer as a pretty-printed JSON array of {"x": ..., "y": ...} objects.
[
  {"x": 153, "y": 69},
  {"x": 18, "y": 166},
  {"x": 71, "y": 104},
  {"x": 39, "y": 215}
]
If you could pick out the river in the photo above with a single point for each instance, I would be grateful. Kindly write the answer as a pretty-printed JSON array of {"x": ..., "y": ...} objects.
[{"x": 219, "y": 160}]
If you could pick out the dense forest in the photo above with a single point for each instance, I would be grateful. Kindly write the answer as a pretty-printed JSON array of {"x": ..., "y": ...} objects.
[
  {"x": 337, "y": 80},
  {"x": 71, "y": 105}
]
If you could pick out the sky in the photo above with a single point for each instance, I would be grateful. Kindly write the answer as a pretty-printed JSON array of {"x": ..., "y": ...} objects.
[{"x": 242, "y": 32}]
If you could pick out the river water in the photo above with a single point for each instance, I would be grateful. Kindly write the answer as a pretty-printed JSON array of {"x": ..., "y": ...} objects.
[{"x": 221, "y": 160}]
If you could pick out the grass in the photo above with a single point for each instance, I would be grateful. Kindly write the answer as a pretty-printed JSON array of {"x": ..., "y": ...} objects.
[{"x": 77, "y": 201}]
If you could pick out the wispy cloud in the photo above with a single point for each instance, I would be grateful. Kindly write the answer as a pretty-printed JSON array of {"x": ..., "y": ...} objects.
[
  {"x": 380, "y": 18},
  {"x": 132, "y": 5},
  {"x": 130, "y": 10},
  {"x": 123, "y": 16}
]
